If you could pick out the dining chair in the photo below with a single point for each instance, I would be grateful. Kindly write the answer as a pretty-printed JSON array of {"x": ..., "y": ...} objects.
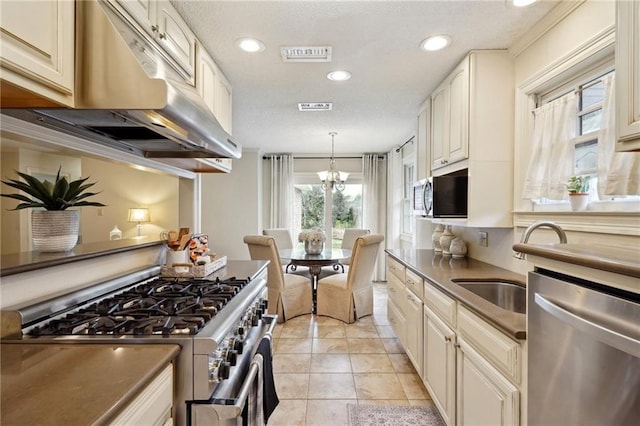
[
  {"x": 283, "y": 241},
  {"x": 289, "y": 295},
  {"x": 349, "y": 296},
  {"x": 350, "y": 235}
]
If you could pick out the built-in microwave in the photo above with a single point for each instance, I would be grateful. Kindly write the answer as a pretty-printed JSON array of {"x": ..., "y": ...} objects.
[
  {"x": 421, "y": 200},
  {"x": 450, "y": 195}
]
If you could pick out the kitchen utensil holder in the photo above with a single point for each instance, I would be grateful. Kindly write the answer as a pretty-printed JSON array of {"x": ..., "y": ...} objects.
[{"x": 189, "y": 270}]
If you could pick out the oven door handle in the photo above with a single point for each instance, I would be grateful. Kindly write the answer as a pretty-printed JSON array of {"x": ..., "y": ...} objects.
[{"x": 614, "y": 338}]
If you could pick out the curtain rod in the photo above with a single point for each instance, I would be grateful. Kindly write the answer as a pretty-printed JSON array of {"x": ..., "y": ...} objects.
[
  {"x": 402, "y": 146},
  {"x": 326, "y": 158}
]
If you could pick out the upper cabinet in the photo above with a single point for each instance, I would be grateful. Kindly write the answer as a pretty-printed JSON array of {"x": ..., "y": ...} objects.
[
  {"x": 472, "y": 127},
  {"x": 423, "y": 138},
  {"x": 628, "y": 75},
  {"x": 163, "y": 23},
  {"x": 214, "y": 88},
  {"x": 37, "y": 60},
  {"x": 450, "y": 115}
]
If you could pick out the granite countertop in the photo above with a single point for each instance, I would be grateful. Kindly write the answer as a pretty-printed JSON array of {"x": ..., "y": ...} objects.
[
  {"x": 605, "y": 258},
  {"x": 441, "y": 270},
  {"x": 75, "y": 384}
]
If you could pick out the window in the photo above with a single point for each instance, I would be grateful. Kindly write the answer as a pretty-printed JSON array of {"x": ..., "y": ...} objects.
[{"x": 346, "y": 209}]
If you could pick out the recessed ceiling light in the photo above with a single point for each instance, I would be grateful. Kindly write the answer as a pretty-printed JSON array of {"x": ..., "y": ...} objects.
[
  {"x": 339, "y": 75},
  {"x": 523, "y": 3},
  {"x": 250, "y": 45},
  {"x": 436, "y": 42}
]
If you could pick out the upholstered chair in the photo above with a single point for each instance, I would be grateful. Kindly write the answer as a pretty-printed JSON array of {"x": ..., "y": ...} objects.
[
  {"x": 289, "y": 295},
  {"x": 349, "y": 238},
  {"x": 349, "y": 296}
]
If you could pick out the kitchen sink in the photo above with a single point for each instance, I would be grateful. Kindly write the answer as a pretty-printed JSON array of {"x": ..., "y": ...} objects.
[{"x": 506, "y": 295}]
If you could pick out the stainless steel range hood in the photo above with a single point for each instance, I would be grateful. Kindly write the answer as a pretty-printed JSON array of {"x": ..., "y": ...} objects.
[{"x": 128, "y": 96}]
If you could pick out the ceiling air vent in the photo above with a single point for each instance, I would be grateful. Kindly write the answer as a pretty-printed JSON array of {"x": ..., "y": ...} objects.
[
  {"x": 315, "y": 106},
  {"x": 306, "y": 54}
]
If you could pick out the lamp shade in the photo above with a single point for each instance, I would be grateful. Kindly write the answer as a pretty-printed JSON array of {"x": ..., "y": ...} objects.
[{"x": 139, "y": 215}]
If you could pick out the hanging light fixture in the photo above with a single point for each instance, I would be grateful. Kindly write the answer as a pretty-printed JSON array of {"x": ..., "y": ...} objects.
[{"x": 331, "y": 177}]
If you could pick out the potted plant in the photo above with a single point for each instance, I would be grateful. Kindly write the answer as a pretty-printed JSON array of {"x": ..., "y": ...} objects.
[
  {"x": 578, "y": 187},
  {"x": 313, "y": 241},
  {"x": 53, "y": 226}
]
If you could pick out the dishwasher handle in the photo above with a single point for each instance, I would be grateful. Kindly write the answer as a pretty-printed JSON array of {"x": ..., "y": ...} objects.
[{"x": 606, "y": 335}]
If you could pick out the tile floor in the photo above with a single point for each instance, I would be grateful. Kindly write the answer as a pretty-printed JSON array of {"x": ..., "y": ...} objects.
[{"x": 322, "y": 364}]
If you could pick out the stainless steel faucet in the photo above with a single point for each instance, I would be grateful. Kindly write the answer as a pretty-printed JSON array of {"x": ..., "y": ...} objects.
[{"x": 548, "y": 224}]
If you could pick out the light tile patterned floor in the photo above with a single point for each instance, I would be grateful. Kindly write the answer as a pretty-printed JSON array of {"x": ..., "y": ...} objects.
[{"x": 322, "y": 364}]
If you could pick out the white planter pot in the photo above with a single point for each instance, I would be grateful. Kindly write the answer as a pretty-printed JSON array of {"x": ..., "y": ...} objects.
[
  {"x": 54, "y": 230},
  {"x": 313, "y": 246},
  {"x": 579, "y": 201}
]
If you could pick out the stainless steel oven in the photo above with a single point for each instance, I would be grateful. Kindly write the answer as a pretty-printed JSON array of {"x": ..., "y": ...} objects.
[
  {"x": 584, "y": 352},
  {"x": 219, "y": 323}
]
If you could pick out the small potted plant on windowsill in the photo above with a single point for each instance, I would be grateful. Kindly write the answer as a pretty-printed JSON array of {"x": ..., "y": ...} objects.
[
  {"x": 53, "y": 226},
  {"x": 578, "y": 187}
]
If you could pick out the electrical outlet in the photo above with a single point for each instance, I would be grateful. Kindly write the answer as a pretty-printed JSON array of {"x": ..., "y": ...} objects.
[{"x": 484, "y": 239}]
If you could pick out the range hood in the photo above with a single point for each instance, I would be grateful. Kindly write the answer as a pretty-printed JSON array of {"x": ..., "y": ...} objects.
[{"x": 129, "y": 96}]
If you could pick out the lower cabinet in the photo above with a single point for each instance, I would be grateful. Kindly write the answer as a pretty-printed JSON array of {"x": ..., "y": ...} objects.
[
  {"x": 440, "y": 364},
  {"x": 485, "y": 396},
  {"x": 153, "y": 406},
  {"x": 396, "y": 306},
  {"x": 413, "y": 330}
]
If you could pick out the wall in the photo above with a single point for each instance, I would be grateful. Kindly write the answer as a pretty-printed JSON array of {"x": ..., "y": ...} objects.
[
  {"x": 122, "y": 187},
  {"x": 232, "y": 206}
]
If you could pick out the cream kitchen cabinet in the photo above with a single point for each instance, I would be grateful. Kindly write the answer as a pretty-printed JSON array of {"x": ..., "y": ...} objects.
[
  {"x": 472, "y": 127},
  {"x": 160, "y": 20},
  {"x": 37, "y": 60},
  {"x": 395, "y": 305},
  {"x": 628, "y": 75},
  {"x": 440, "y": 364},
  {"x": 423, "y": 137},
  {"x": 413, "y": 330},
  {"x": 213, "y": 87},
  {"x": 484, "y": 396},
  {"x": 153, "y": 406},
  {"x": 450, "y": 115}
]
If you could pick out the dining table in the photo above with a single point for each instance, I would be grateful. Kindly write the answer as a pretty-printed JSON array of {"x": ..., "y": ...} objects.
[{"x": 329, "y": 257}]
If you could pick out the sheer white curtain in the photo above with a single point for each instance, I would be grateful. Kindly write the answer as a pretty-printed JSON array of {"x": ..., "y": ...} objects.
[
  {"x": 373, "y": 200},
  {"x": 618, "y": 172},
  {"x": 282, "y": 191},
  {"x": 552, "y": 149}
]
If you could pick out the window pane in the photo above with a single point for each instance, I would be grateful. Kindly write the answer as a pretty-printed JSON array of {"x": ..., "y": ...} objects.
[
  {"x": 347, "y": 211},
  {"x": 592, "y": 95},
  {"x": 586, "y": 157},
  {"x": 309, "y": 208},
  {"x": 590, "y": 122}
]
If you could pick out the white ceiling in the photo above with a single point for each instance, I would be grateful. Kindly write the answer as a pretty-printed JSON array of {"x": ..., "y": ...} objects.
[{"x": 377, "y": 41}]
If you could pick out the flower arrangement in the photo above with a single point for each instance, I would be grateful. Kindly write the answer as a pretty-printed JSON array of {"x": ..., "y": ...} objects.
[
  {"x": 314, "y": 235},
  {"x": 578, "y": 184}
]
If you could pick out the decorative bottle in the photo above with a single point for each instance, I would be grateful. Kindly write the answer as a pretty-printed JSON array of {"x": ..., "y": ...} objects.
[
  {"x": 445, "y": 240},
  {"x": 435, "y": 238},
  {"x": 458, "y": 248}
]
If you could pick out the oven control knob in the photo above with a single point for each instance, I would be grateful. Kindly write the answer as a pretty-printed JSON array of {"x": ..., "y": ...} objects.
[
  {"x": 255, "y": 319},
  {"x": 218, "y": 370},
  {"x": 232, "y": 357},
  {"x": 225, "y": 368},
  {"x": 259, "y": 313},
  {"x": 265, "y": 304},
  {"x": 240, "y": 331},
  {"x": 236, "y": 345}
]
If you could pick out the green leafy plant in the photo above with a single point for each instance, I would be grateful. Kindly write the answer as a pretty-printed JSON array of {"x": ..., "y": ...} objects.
[
  {"x": 578, "y": 184},
  {"x": 59, "y": 195}
]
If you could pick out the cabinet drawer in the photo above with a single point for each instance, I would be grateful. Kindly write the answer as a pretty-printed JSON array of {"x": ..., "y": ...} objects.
[
  {"x": 396, "y": 268},
  {"x": 395, "y": 290},
  {"x": 414, "y": 283},
  {"x": 440, "y": 303},
  {"x": 503, "y": 352}
]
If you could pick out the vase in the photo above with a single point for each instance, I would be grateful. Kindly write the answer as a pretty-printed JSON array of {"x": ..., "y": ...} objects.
[
  {"x": 435, "y": 238},
  {"x": 578, "y": 201},
  {"x": 458, "y": 248},
  {"x": 313, "y": 246},
  {"x": 445, "y": 240},
  {"x": 54, "y": 230}
]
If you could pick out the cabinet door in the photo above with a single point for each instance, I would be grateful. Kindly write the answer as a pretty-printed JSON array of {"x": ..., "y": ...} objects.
[
  {"x": 225, "y": 100},
  {"x": 206, "y": 75},
  {"x": 440, "y": 365},
  {"x": 397, "y": 320},
  {"x": 458, "y": 146},
  {"x": 176, "y": 38},
  {"x": 628, "y": 75},
  {"x": 141, "y": 11},
  {"x": 413, "y": 330},
  {"x": 439, "y": 127},
  {"x": 38, "y": 57},
  {"x": 423, "y": 159},
  {"x": 485, "y": 397}
]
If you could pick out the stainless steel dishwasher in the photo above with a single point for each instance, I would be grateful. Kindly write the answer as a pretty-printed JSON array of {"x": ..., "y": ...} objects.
[{"x": 584, "y": 352}]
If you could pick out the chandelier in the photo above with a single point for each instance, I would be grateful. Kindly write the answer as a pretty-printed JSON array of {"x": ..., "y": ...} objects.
[{"x": 331, "y": 177}]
